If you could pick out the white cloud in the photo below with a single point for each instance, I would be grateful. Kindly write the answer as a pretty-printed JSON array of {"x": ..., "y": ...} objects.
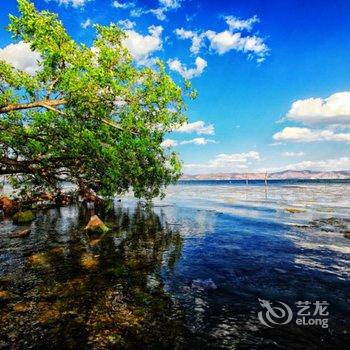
[
  {"x": 20, "y": 56},
  {"x": 295, "y": 134},
  {"x": 74, "y": 3},
  {"x": 198, "y": 127},
  {"x": 169, "y": 143},
  {"x": 165, "y": 6},
  {"x": 275, "y": 144},
  {"x": 126, "y": 24},
  {"x": 159, "y": 12},
  {"x": 231, "y": 39},
  {"x": 334, "y": 109},
  {"x": 86, "y": 24},
  {"x": 226, "y": 41},
  {"x": 293, "y": 154},
  {"x": 196, "y": 38},
  {"x": 224, "y": 160},
  {"x": 224, "y": 163},
  {"x": 198, "y": 141},
  {"x": 170, "y": 4},
  {"x": 236, "y": 24},
  {"x": 188, "y": 73},
  {"x": 141, "y": 46},
  {"x": 123, "y": 5},
  {"x": 136, "y": 12},
  {"x": 342, "y": 163}
]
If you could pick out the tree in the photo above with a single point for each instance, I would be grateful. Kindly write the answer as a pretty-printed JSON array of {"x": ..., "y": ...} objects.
[{"x": 89, "y": 115}]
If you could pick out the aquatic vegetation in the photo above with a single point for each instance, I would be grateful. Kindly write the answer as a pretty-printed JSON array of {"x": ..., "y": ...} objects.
[{"x": 23, "y": 217}]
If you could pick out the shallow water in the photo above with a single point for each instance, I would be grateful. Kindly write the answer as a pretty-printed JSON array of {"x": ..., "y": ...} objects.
[{"x": 187, "y": 273}]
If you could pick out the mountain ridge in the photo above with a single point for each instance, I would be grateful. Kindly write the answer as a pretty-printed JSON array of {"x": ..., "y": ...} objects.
[{"x": 280, "y": 175}]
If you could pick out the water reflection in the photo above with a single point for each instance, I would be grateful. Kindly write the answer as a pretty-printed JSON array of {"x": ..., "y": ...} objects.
[{"x": 61, "y": 288}]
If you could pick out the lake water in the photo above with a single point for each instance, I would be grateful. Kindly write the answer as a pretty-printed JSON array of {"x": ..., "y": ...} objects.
[{"x": 189, "y": 273}]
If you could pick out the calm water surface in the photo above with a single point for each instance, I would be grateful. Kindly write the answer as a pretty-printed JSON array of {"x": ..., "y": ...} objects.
[{"x": 187, "y": 273}]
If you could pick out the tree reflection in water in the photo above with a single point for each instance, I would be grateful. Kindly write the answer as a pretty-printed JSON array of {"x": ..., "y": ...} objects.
[{"x": 64, "y": 289}]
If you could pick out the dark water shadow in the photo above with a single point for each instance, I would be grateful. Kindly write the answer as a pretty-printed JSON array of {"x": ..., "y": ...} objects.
[{"x": 63, "y": 289}]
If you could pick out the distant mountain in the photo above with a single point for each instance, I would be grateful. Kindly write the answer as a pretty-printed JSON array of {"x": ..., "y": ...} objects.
[{"x": 282, "y": 175}]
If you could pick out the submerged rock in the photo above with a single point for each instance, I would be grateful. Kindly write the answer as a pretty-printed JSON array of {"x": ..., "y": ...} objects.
[
  {"x": 7, "y": 204},
  {"x": 48, "y": 315},
  {"x": 94, "y": 242},
  {"x": 4, "y": 294},
  {"x": 57, "y": 250},
  {"x": 295, "y": 210},
  {"x": 96, "y": 225},
  {"x": 89, "y": 261},
  {"x": 21, "y": 233},
  {"x": 21, "y": 307},
  {"x": 23, "y": 217},
  {"x": 38, "y": 259}
]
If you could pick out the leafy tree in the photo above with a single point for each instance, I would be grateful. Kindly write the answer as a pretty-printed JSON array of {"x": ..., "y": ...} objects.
[{"x": 89, "y": 115}]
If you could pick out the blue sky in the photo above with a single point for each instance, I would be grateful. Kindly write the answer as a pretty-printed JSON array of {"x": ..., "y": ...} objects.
[{"x": 273, "y": 76}]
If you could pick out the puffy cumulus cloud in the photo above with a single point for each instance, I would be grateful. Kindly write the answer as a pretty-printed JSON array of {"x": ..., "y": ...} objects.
[
  {"x": 86, "y": 23},
  {"x": 20, "y": 56},
  {"x": 169, "y": 143},
  {"x": 224, "y": 162},
  {"x": 226, "y": 41},
  {"x": 296, "y": 134},
  {"x": 338, "y": 164},
  {"x": 123, "y": 5},
  {"x": 126, "y": 24},
  {"x": 195, "y": 37},
  {"x": 188, "y": 73},
  {"x": 165, "y": 6},
  {"x": 141, "y": 46},
  {"x": 200, "y": 141},
  {"x": 230, "y": 39},
  {"x": 235, "y": 23},
  {"x": 293, "y": 154},
  {"x": 198, "y": 127},
  {"x": 159, "y": 13},
  {"x": 74, "y": 3},
  {"x": 334, "y": 109}
]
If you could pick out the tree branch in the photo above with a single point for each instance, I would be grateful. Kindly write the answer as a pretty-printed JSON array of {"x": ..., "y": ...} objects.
[
  {"x": 49, "y": 104},
  {"x": 21, "y": 106}
]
